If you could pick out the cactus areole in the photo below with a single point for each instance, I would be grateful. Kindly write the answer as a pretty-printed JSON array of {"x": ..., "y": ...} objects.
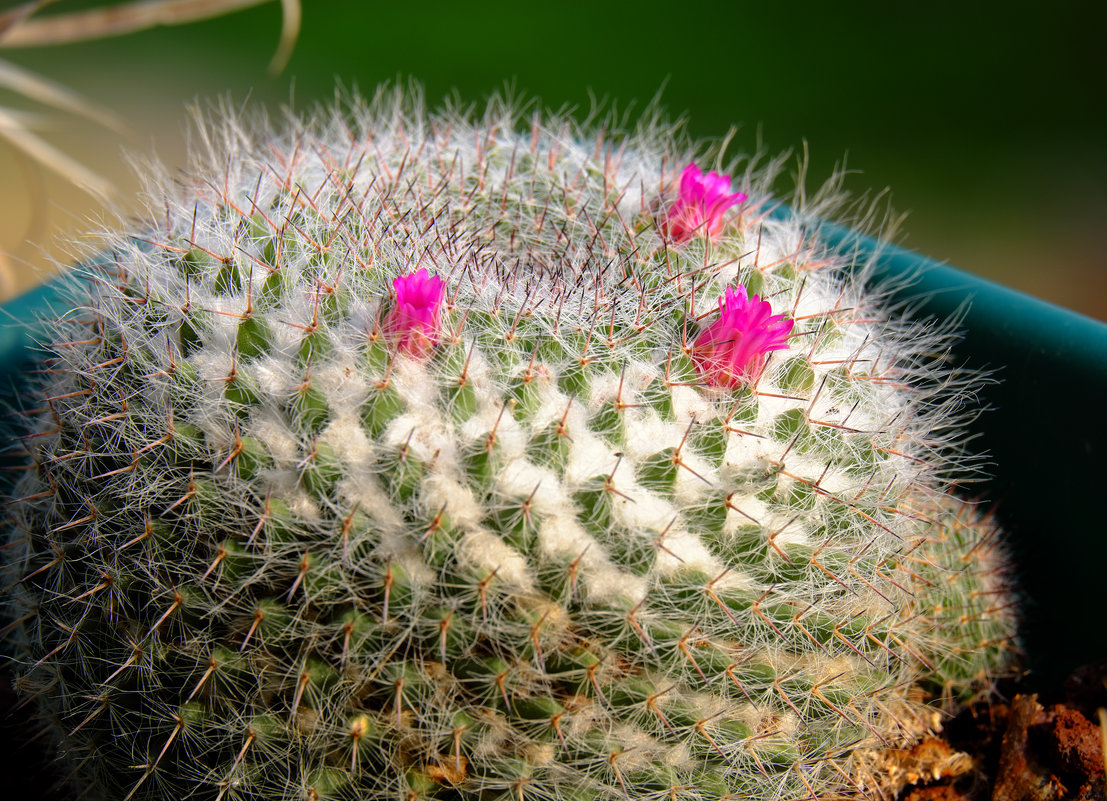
[{"x": 456, "y": 456}]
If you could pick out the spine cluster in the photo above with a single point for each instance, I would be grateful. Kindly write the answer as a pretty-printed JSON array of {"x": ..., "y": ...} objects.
[{"x": 434, "y": 456}]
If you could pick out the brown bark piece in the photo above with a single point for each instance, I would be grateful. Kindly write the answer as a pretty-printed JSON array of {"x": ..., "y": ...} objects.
[
  {"x": 1021, "y": 778},
  {"x": 1076, "y": 742}
]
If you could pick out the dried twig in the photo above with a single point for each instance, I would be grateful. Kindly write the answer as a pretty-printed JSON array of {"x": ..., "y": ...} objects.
[
  {"x": 15, "y": 132},
  {"x": 138, "y": 15},
  {"x": 19, "y": 28},
  {"x": 51, "y": 93}
]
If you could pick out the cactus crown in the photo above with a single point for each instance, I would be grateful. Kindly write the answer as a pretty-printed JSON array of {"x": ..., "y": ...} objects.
[{"x": 436, "y": 456}]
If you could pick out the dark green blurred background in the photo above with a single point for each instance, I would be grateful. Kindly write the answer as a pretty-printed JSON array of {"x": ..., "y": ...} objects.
[{"x": 986, "y": 120}]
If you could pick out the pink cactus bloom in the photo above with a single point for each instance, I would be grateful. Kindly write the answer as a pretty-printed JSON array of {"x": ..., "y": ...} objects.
[
  {"x": 732, "y": 350},
  {"x": 701, "y": 205},
  {"x": 412, "y": 324}
]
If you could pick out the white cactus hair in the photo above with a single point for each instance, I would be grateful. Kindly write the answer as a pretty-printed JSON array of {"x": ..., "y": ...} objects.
[{"x": 545, "y": 559}]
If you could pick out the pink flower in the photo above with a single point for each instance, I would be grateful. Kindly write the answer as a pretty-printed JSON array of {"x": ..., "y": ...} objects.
[
  {"x": 732, "y": 350},
  {"x": 701, "y": 205},
  {"x": 412, "y": 324}
]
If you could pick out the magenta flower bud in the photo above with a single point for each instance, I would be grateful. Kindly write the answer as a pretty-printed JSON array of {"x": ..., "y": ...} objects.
[
  {"x": 701, "y": 205},
  {"x": 732, "y": 350},
  {"x": 412, "y": 324}
]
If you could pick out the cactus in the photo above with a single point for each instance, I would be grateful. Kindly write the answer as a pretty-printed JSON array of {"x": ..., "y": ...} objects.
[{"x": 450, "y": 457}]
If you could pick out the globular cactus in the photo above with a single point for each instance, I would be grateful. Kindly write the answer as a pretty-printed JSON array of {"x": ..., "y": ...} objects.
[{"x": 445, "y": 457}]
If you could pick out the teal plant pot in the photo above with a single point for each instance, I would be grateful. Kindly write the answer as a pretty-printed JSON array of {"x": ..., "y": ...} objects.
[
  {"x": 1044, "y": 440},
  {"x": 1041, "y": 429}
]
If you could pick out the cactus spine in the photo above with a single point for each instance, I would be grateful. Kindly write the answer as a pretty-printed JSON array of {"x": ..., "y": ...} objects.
[{"x": 392, "y": 457}]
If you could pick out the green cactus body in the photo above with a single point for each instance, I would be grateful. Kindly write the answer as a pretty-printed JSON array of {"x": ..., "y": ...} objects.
[{"x": 265, "y": 553}]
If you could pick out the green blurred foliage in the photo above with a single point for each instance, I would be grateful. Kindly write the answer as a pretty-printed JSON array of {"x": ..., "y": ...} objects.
[{"x": 986, "y": 119}]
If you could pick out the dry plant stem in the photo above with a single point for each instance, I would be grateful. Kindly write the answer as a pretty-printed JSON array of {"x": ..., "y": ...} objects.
[
  {"x": 19, "y": 29},
  {"x": 124, "y": 18},
  {"x": 41, "y": 151},
  {"x": 51, "y": 93},
  {"x": 14, "y": 16}
]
